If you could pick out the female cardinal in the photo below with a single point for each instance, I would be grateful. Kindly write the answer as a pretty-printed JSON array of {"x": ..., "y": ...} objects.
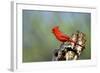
[{"x": 60, "y": 36}]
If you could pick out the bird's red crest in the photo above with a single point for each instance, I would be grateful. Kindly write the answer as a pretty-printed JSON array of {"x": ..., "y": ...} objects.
[{"x": 55, "y": 28}]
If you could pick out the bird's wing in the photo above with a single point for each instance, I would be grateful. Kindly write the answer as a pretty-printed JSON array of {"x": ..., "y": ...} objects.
[{"x": 65, "y": 37}]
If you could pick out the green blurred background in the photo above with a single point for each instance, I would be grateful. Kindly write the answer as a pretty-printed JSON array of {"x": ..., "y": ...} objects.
[{"x": 38, "y": 40}]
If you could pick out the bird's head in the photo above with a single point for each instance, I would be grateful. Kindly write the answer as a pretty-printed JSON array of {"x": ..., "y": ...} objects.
[{"x": 55, "y": 28}]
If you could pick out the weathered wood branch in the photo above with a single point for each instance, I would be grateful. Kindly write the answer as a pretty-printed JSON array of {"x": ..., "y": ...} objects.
[{"x": 71, "y": 51}]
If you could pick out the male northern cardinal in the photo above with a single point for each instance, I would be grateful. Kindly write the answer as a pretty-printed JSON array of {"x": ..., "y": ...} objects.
[{"x": 60, "y": 36}]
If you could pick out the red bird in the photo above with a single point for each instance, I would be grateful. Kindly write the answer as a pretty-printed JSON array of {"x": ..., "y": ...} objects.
[{"x": 60, "y": 36}]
